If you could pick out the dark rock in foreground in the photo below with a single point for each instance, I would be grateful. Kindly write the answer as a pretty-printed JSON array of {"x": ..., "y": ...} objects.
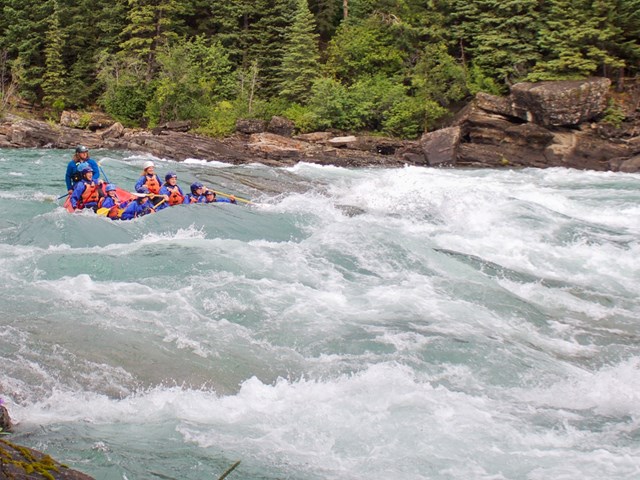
[{"x": 22, "y": 463}]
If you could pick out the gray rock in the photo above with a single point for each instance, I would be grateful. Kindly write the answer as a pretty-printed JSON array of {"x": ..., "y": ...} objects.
[
  {"x": 281, "y": 126},
  {"x": 250, "y": 125},
  {"x": 628, "y": 165},
  {"x": 441, "y": 146},
  {"x": 560, "y": 103}
]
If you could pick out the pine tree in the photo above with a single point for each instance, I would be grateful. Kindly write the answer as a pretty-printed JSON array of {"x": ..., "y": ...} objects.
[
  {"x": 327, "y": 14},
  {"x": 500, "y": 36},
  {"x": 152, "y": 24},
  {"x": 300, "y": 59},
  {"x": 53, "y": 82},
  {"x": 268, "y": 47},
  {"x": 234, "y": 24},
  {"x": 575, "y": 39},
  {"x": 23, "y": 38}
]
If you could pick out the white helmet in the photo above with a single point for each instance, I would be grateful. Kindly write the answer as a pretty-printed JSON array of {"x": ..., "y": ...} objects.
[{"x": 147, "y": 164}]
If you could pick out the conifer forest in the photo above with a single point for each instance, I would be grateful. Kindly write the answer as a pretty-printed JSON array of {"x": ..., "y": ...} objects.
[{"x": 392, "y": 67}]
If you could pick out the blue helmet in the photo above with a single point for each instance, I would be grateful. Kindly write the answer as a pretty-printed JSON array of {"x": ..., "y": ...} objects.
[
  {"x": 81, "y": 149},
  {"x": 110, "y": 188},
  {"x": 84, "y": 167},
  {"x": 195, "y": 186},
  {"x": 170, "y": 175}
]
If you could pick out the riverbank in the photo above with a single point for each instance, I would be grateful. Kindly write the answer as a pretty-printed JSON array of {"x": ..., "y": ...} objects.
[{"x": 548, "y": 124}]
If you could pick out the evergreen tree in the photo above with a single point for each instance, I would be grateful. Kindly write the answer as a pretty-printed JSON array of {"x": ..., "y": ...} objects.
[
  {"x": 26, "y": 25},
  {"x": 327, "y": 16},
  {"x": 268, "y": 47},
  {"x": 500, "y": 36},
  {"x": 152, "y": 24},
  {"x": 53, "y": 83},
  {"x": 234, "y": 24},
  {"x": 364, "y": 49},
  {"x": 575, "y": 40},
  {"x": 300, "y": 60}
]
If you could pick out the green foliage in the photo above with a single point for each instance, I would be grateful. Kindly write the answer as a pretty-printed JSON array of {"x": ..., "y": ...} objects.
[
  {"x": 392, "y": 66},
  {"x": 363, "y": 50},
  {"x": 152, "y": 24},
  {"x": 501, "y": 36},
  {"x": 614, "y": 114},
  {"x": 365, "y": 105},
  {"x": 192, "y": 77},
  {"x": 405, "y": 119},
  {"x": 438, "y": 76},
  {"x": 53, "y": 82},
  {"x": 478, "y": 81},
  {"x": 273, "y": 18},
  {"x": 126, "y": 91},
  {"x": 303, "y": 117},
  {"x": 222, "y": 119},
  {"x": 301, "y": 58},
  {"x": 575, "y": 39}
]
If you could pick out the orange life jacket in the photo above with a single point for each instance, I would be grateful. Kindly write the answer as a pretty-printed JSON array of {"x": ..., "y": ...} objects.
[
  {"x": 89, "y": 195},
  {"x": 174, "y": 197},
  {"x": 152, "y": 184}
]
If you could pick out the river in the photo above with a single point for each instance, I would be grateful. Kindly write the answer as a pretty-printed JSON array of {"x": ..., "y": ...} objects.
[{"x": 349, "y": 324}]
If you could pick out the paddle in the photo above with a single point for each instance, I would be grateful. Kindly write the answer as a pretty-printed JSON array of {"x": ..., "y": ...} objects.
[
  {"x": 102, "y": 172},
  {"x": 155, "y": 207},
  {"x": 62, "y": 196},
  {"x": 238, "y": 199}
]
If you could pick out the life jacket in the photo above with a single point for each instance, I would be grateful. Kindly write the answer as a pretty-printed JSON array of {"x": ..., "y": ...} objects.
[
  {"x": 174, "y": 197},
  {"x": 77, "y": 176},
  {"x": 115, "y": 212},
  {"x": 89, "y": 195},
  {"x": 152, "y": 184}
]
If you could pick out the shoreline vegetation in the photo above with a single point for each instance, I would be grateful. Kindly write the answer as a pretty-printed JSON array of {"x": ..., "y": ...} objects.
[{"x": 544, "y": 124}]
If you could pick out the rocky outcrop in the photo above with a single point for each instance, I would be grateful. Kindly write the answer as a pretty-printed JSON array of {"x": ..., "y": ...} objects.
[{"x": 538, "y": 125}]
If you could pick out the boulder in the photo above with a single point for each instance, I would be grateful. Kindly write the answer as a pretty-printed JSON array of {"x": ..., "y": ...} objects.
[
  {"x": 440, "y": 147},
  {"x": 114, "y": 131},
  {"x": 342, "y": 142},
  {"x": 90, "y": 120},
  {"x": 281, "y": 126},
  {"x": 250, "y": 125},
  {"x": 273, "y": 146},
  {"x": 177, "y": 126},
  {"x": 560, "y": 103},
  {"x": 494, "y": 104},
  {"x": 5, "y": 420},
  {"x": 627, "y": 165},
  {"x": 379, "y": 145}
]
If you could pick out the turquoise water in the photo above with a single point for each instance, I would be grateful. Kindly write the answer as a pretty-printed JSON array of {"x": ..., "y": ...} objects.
[{"x": 350, "y": 324}]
